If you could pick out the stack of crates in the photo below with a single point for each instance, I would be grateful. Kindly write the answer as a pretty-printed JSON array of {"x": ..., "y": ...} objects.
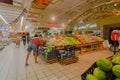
[
  {"x": 68, "y": 55},
  {"x": 95, "y": 47},
  {"x": 49, "y": 54}
]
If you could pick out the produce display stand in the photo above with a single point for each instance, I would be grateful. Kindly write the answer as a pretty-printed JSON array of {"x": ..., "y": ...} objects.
[
  {"x": 49, "y": 57},
  {"x": 83, "y": 43},
  {"x": 85, "y": 48},
  {"x": 50, "y": 61},
  {"x": 95, "y": 46},
  {"x": 54, "y": 60},
  {"x": 68, "y": 55},
  {"x": 89, "y": 47},
  {"x": 110, "y": 76},
  {"x": 68, "y": 61},
  {"x": 90, "y": 70},
  {"x": 78, "y": 47},
  {"x": 101, "y": 45},
  {"x": 59, "y": 47}
]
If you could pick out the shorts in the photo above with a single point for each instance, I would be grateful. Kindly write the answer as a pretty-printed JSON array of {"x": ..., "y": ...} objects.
[{"x": 32, "y": 46}]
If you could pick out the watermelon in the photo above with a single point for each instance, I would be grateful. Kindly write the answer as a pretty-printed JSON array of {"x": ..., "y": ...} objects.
[
  {"x": 117, "y": 79},
  {"x": 116, "y": 55},
  {"x": 116, "y": 70},
  {"x": 98, "y": 73},
  {"x": 91, "y": 77},
  {"x": 104, "y": 64},
  {"x": 116, "y": 60}
]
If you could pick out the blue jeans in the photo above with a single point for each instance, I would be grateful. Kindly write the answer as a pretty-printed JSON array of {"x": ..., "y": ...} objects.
[{"x": 32, "y": 46}]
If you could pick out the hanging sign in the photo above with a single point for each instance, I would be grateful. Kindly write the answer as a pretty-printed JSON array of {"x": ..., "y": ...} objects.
[
  {"x": 40, "y": 4},
  {"x": 7, "y": 1},
  {"x": 115, "y": 35},
  {"x": 52, "y": 24}
]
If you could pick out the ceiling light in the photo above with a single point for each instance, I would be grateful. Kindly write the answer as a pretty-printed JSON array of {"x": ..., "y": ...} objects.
[
  {"x": 63, "y": 25},
  {"x": 115, "y": 4},
  {"x": 53, "y": 18},
  {"x": 3, "y": 19},
  {"x": 81, "y": 21},
  {"x": 26, "y": 27},
  {"x": 69, "y": 20}
]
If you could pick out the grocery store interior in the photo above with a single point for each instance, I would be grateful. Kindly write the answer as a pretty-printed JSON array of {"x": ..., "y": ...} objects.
[{"x": 78, "y": 39}]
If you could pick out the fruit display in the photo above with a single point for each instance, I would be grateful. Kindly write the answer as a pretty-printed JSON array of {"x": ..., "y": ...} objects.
[
  {"x": 71, "y": 40},
  {"x": 98, "y": 38},
  {"x": 116, "y": 70},
  {"x": 60, "y": 42},
  {"x": 57, "y": 43},
  {"x": 92, "y": 38},
  {"x": 104, "y": 69},
  {"x": 98, "y": 73},
  {"x": 116, "y": 55},
  {"x": 104, "y": 64},
  {"x": 91, "y": 77},
  {"x": 80, "y": 38},
  {"x": 58, "y": 37},
  {"x": 88, "y": 38},
  {"x": 116, "y": 59}
]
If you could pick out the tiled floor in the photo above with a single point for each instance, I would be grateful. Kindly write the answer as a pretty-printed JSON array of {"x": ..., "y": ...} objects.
[{"x": 12, "y": 66}]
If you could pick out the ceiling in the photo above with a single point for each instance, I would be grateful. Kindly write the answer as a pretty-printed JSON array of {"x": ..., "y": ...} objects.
[{"x": 62, "y": 10}]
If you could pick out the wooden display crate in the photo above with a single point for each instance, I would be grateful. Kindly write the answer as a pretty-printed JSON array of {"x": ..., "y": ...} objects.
[
  {"x": 52, "y": 60},
  {"x": 85, "y": 48},
  {"x": 78, "y": 47},
  {"x": 101, "y": 46},
  {"x": 59, "y": 47},
  {"x": 69, "y": 61},
  {"x": 95, "y": 46}
]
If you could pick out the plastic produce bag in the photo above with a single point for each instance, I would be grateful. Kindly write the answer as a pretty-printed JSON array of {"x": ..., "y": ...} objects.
[{"x": 106, "y": 44}]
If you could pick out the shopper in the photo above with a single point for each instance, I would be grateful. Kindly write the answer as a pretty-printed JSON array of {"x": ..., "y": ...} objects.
[
  {"x": 18, "y": 41},
  {"x": 33, "y": 45},
  {"x": 24, "y": 39},
  {"x": 44, "y": 40},
  {"x": 28, "y": 38}
]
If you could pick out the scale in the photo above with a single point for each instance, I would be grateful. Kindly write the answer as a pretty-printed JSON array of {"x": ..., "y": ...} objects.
[{"x": 115, "y": 35}]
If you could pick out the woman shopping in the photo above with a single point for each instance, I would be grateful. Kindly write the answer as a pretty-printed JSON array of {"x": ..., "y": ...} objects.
[{"x": 33, "y": 46}]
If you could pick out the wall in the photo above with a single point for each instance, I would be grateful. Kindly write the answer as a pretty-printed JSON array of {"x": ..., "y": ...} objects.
[{"x": 104, "y": 24}]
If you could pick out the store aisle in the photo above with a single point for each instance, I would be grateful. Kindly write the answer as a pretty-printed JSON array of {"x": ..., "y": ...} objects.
[{"x": 12, "y": 66}]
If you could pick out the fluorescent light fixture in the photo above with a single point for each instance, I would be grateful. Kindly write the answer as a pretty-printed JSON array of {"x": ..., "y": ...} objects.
[
  {"x": 81, "y": 21},
  {"x": 3, "y": 19},
  {"x": 63, "y": 25},
  {"x": 75, "y": 28},
  {"x": 21, "y": 23}
]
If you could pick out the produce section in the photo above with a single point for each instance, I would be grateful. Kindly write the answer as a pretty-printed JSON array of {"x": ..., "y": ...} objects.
[
  {"x": 63, "y": 49},
  {"x": 83, "y": 43},
  {"x": 59, "y": 39},
  {"x": 51, "y": 55}
]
